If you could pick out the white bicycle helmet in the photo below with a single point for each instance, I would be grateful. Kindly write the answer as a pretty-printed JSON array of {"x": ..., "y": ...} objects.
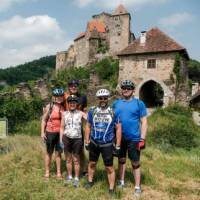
[{"x": 103, "y": 93}]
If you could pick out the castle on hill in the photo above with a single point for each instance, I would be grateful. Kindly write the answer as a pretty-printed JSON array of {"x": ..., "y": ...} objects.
[{"x": 105, "y": 34}]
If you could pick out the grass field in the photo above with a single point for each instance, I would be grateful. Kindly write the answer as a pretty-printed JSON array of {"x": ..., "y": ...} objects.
[{"x": 165, "y": 176}]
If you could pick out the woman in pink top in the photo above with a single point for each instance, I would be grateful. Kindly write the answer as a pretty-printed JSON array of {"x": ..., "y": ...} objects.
[{"x": 50, "y": 130}]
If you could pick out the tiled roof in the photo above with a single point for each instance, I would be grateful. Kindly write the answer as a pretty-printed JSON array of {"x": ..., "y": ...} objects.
[
  {"x": 120, "y": 10},
  {"x": 156, "y": 41},
  {"x": 81, "y": 35},
  {"x": 96, "y": 24}
]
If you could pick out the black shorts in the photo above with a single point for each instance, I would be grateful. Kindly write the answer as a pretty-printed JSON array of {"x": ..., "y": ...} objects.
[
  {"x": 106, "y": 152},
  {"x": 73, "y": 146},
  {"x": 52, "y": 142},
  {"x": 131, "y": 147}
]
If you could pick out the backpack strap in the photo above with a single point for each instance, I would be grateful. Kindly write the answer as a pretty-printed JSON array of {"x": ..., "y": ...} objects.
[
  {"x": 50, "y": 111},
  {"x": 111, "y": 112}
]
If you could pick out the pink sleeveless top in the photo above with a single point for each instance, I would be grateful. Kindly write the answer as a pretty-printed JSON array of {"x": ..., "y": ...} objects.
[{"x": 54, "y": 122}]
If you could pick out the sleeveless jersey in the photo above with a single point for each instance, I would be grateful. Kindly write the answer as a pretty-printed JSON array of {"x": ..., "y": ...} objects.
[
  {"x": 54, "y": 121},
  {"x": 73, "y": 124}
]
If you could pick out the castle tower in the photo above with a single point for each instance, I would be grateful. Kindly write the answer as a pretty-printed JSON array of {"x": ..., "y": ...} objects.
[{"x": 120, "y": 29}]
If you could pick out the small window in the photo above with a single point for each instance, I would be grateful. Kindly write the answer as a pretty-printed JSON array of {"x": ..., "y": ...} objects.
[
  {"x": 116, "y": 18},
  {"x": 117, "y": 25},
  {"x": 151, "y": 63}
]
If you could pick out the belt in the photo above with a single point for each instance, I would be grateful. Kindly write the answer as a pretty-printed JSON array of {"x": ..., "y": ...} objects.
[{"x": 101, "y": 145}]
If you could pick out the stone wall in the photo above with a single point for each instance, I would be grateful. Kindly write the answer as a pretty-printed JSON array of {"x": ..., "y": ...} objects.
[
  {"x": 65, "y": 59},
  {"x": 24, "y": 90},
  {"x": 119, "y": 33},
  {"x": 135, "y": 67},
  {"x": 61, "y": 59},
  {"x": 81, "y": 48},
  {"x": 71, "y": 57}
]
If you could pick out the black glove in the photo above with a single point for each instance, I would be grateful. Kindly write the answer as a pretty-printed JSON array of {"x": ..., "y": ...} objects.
[
  {"x": 116, "y": 151},
  {"x": 87, "y": 146},
  {"x": 61, "y": 145}
]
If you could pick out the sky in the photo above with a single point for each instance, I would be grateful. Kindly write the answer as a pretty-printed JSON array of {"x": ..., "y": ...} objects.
[{"x": 30, "y": 29}]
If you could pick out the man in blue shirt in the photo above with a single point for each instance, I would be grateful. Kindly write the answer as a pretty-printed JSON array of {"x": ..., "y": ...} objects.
[
  {"x": 132, "y": 114},
  {"x": 100, "y": 135}
]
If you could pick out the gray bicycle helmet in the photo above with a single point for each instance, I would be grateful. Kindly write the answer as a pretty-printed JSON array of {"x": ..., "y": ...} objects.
[
  {"x": 72, "y": 98},
  {"x": 127, "y": 84},
  {"x": 58, "y": 92}
]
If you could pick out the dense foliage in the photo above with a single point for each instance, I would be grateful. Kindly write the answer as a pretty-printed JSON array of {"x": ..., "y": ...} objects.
[
  {"x": 28, "y": 71},
  {"x": 173, "y": 127},
  {"x": 107, "y": 69},
  {"x": 18, "y": 111},
  {"x": 62, "y": 77},
  {"x": 194, "y": 70}
]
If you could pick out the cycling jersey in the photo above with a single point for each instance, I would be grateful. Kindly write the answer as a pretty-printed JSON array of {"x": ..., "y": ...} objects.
[
  {"x": 130, "y": 113},
  {"x": 102, "y": 123},
  {"x": 73, "y": 124},
  {"x": 54, "y": 121}
]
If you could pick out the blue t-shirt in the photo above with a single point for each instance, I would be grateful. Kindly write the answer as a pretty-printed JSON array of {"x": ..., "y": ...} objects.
[
  {"x": 130, "y": 113},
  {"x": 103, "y": 124}
]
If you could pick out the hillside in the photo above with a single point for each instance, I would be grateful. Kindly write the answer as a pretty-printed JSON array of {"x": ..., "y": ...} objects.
[
  {"x": 168, "y": 171},
  {"x": 28, "y": 71}
]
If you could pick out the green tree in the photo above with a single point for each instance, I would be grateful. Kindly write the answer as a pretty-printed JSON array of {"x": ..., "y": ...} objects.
[
  {"x": 194, "y": 70},
  {"x": 178, "y": 74}
]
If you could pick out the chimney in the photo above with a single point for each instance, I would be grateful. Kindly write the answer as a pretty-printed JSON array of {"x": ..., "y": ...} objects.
[{"x": 143, "y": 38}]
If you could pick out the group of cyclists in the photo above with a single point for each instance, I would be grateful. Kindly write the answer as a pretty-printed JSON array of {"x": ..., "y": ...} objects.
[{"x": 110, "y": 130}]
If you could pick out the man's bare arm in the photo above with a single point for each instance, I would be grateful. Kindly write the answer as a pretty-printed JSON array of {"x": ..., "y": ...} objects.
[{"x": 144, "y": 125}]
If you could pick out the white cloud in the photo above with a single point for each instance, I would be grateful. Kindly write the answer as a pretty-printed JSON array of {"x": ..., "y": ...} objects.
[
  {"x": 25, "y": 39},
  {"x": 113, "y": 3},
  {"x": 176, "y": 20}
]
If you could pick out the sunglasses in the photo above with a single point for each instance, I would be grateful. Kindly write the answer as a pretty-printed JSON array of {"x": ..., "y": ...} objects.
[
  {"x": 127, "y": 88},
  {"x": 74, "y": 85},
  {"x": 103, "y": 98},
  {"x": 73, "y": 102}
]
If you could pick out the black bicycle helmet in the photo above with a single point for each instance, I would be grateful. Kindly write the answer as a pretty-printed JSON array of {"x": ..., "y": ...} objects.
[
  {"x": 73, "y": 82},
  {"x": 127, "y": 84},
  {"x": 72, "y": 98},
  {"x": 58, "y": 92}
]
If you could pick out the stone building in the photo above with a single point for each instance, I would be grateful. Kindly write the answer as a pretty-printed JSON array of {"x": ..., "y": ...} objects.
[
  {"x": 105, "y": 32},
  {"x": 149, "y": 62}
]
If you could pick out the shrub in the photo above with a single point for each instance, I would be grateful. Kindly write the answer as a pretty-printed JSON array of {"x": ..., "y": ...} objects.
[
  {"x": 173, "y": 127},
  {"x": 63, "y": 76},
  {"x": 19, "y": 111},
  {"x": 30, "y": 128},
  {"x": 107, "y": 69}
]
